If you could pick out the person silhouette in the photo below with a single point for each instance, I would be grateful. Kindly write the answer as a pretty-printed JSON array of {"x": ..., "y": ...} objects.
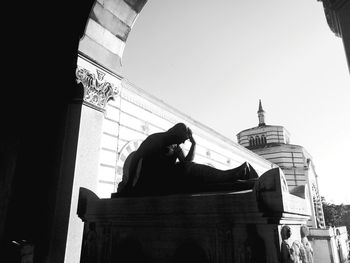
[
  {"x": 159, "y": 165},
  {"x": 286, "y": 251}
]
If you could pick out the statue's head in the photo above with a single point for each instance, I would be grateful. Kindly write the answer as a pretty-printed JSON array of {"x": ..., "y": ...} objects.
[
  {"x": 179, "y": 132},
  {"x": 304, "y": 231},
  {"x": 286, "y": 232}
]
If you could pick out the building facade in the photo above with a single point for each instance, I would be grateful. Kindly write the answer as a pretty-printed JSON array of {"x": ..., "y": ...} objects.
[
  {"x": 273, "y": 143},
  {"x": 134, "y": 114}
]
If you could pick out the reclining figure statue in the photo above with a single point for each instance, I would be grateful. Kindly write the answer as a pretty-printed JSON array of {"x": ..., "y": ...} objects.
[{"x": 159, "y": 166}]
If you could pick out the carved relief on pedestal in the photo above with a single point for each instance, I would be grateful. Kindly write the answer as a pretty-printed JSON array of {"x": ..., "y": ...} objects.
[{"x": 97, "y": 92}]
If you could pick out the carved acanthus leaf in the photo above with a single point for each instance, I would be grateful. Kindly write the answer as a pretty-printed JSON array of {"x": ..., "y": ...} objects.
[{"x": 96, "y": 92}]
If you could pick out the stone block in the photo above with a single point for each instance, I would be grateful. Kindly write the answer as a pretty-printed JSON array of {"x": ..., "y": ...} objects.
[
  {"x": 109, "y": 21},
  {"x": 106, "y": 58},
  {"x": 212, "y": 226}
]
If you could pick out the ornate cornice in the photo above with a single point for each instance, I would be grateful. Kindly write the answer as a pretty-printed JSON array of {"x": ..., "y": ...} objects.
[{"x": 97, "y": 92}]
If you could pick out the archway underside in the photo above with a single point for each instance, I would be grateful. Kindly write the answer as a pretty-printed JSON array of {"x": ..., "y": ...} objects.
[{"x": 107, "y": 29}]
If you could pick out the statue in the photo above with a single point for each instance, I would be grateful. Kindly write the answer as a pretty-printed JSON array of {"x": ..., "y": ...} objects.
[
  {"x": 286, "y": 251},
  {"x": 298, "y": 252},
  {"x": 304, "y": 231},
  {"x": 159, "y": 166}
]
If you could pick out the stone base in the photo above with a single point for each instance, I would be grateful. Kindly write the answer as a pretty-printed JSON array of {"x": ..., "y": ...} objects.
[
  {"x": 329, "y": 244},
  {"x": 224, "y": 226}
]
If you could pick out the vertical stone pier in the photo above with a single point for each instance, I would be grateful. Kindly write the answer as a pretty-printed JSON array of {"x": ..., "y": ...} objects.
[{"x": 80, "y": 158}]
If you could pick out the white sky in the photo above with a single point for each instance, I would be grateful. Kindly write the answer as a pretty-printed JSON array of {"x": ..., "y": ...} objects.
[{"x": 214, "y": 60}]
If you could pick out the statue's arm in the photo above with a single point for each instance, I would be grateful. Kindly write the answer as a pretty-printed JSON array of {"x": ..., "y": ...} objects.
[
  {"x": 179, "y": 153},
  {"x": 190, "y": 155}
]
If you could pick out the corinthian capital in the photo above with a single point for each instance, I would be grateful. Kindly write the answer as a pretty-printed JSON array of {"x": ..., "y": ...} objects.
[{"x": 96, "y": 91}]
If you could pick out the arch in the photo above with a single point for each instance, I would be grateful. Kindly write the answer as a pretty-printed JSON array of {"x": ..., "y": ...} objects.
[
  {"x": 107, "y": 29},
  {"x": 263, "y": 139}
]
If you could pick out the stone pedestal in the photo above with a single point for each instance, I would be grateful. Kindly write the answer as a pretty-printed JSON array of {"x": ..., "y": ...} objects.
[
  {"x": 216, "y": 226},
  {"x": 329, "y": 244}
]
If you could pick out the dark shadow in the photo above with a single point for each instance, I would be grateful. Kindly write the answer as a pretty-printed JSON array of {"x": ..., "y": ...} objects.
[
  {"x": 41, "y": 54},
  {"x": 129, "y": 250},
  {"x": 89, "y": 252},
  {"x": 190, "y": 252},
  {"x": 253, "y": 247}
]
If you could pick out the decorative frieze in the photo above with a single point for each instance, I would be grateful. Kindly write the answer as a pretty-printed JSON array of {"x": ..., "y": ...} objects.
[{"x": 97, "y": 92}]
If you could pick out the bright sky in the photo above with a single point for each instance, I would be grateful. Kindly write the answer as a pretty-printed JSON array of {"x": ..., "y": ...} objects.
[{"x": 214, "y": 60}]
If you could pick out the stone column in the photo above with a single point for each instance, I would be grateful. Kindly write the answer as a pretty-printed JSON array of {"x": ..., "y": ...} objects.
[{"x": 80, "y": 161}]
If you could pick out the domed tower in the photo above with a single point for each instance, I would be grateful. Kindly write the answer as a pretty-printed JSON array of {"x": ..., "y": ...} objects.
[
  {"x": 272, "y": 143},
  {"x": 263, "y": 135}
]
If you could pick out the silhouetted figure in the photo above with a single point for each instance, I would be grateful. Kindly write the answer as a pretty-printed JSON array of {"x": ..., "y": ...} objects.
[
  {"x": 160, "y": 166},
  {"x": 298, "y": 252},
  {"x": 286, "y": 252}
]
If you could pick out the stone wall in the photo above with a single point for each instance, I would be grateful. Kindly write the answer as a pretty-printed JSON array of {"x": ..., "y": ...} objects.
[
  {"x": 299, "y": 170},
  {"x": 330, "y": 244},
  {"x": 291, "y": 158}
]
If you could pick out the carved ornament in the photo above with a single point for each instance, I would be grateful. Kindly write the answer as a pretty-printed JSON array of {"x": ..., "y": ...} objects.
[{"x": 96, "y": 91}]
